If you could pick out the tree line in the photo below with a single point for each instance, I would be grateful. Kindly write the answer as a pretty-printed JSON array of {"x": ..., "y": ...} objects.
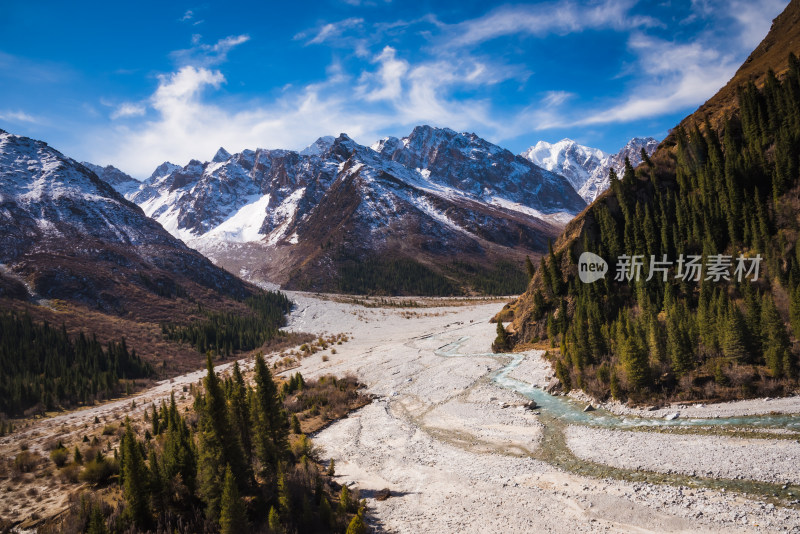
[
  {"x": 44, "y": 368},
  {"x": 225, "y": 333}
]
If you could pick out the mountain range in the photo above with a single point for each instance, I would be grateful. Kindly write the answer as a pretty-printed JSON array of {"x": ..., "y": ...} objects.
[
  {"x": 587, "y": 168},
  {"x": 445, "y": 205}
]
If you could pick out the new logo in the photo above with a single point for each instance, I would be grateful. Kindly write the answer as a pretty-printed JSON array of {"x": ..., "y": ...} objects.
[{"x": 591, "y": 267}]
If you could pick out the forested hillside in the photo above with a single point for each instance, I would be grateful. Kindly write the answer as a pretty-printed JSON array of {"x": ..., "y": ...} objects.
[
  {"x": 722, "y": 193},
  {"x": 43, "y": 368}
]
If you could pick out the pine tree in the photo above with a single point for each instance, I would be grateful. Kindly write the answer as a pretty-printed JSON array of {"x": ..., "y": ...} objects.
[
  {"x": 344, "y": 499},
  {"x": 232, "y": 514},
  {"x": 218, "y": 447},
  {"x": 296, "y": 425},
  {"x": 734, "y": 335},
  {"x": 155, "y": 481},
  {"x": 135, "y": 476},
  {"x": 97, "y": 523},
  {"x": 776, "y": 342},
  {"x": 634, "y": 360},
  {"x": 270, "y": 432},
  {"x": 179, "y": 458},
  {"x": 501, "y": 341},
  {"x": 284, "y": 499},
  {"x": 274, "y": 522},
  {"x": 357, "y": 525},
  {"x": 331, "y": 469},
  {"x": 529, "y": 268},
  {"x": 240, "y": 410}
]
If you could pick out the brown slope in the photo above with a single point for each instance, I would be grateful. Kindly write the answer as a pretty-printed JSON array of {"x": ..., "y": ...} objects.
[
  {"x": 770, "y": 54},
  {"x": 372, "y": 219}
]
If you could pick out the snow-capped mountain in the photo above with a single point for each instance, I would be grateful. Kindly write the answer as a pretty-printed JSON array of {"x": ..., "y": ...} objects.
[
  {"x": 70, "y": 235},
  {"x": 587, "y": 168},
  {"x": 120, "y": 181},
  {"x": 433, "y": 196}
]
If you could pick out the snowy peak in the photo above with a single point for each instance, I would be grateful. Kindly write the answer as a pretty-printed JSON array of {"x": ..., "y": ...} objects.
[
  {"x": 586, "y": 168},
  {"x": 221, "y": 155},
  {"x": 318, "y": 147},
  {"x": 162, "y": 171},
  {"x": 575, "y": 162},
  {"x": 469, "y": 164}
]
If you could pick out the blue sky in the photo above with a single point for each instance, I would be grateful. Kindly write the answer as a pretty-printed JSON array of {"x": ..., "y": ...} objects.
[{"x": 136, "y": 83}]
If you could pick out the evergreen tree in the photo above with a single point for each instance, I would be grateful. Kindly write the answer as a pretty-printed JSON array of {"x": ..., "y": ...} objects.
[
  {"x": 97, "y": 523},
  {"x": 529, "y": 268},
  {"x": 218, "y": 447},
  {"x": 284, "y": 499},
  {"x": 776, "y": 341},
  {"x": 296, "y": 425},
  {"x": 240, "y": 410},
  {"x": 135, "y": 477},
  {"x": 357, "y": 525},
  {"x": 734, "y": 344},
  {"x": 270, "y": 433},
  {"x": 501, "y": 342},
  {"x": 232, "y": 515}
]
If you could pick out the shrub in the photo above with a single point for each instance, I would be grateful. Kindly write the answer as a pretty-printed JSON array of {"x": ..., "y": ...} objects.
[
  {"x": 71, "y": 473},
  {"x": 99, "y": 471},
  {"x": 26, "y": 461},
  {"x": 59, "y": 456}
]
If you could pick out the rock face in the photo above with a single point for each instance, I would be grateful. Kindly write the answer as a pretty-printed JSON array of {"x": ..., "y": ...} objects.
[
  {"x": 295, "y": 218},
  {"x": 587, "y": 168},
  {"x": 67, "y": 234}
]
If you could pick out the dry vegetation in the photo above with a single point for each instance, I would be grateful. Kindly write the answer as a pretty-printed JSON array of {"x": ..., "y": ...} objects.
[{"x": 44, "y": 482}]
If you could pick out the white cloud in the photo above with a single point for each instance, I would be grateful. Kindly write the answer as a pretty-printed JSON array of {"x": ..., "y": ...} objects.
[
  {"x": 18, "y": 116},
  {"x": 389, "y": 77},
  {"x": 559, "y": 18},
  {"x": 128, "y": 109},
  {"x": 208, "y": 55},
  {"x": 331, "y": 30},
  {"x": 754, "y": 18},
  {"x": 188, "y": 15},
  {"x": 188, "y": 125},
  {"x": 556, "y": 98}
]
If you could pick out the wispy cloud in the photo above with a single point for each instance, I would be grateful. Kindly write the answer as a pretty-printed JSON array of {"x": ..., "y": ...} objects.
[
  {"x": 676, "y": 76},
  {"x": 128, "y": 109},
  {"x": 556, "y": 98},
  {"x": 549, "y": 18},
  {"x": 208, "y": 55},
  {"x": 329, "y": 31},
  {"x": 18, "y": 116}
]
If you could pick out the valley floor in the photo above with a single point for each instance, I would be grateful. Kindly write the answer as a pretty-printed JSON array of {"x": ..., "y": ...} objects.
[
  {"x": 456, "y": 460},
  {"x": 460, "y": 452}
]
